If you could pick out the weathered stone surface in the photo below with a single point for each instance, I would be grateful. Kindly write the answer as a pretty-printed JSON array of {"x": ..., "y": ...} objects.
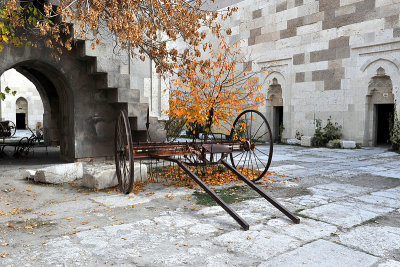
[
  {"x": 58, "y": 174},
  {"x": 390, "y": 263},
  {"x": 29, "y": 174},
  {"x": 347, "y": 144},
  {"x": 122, "y": 200},
  {"x": 99, "y": 177},
  {"x": 102, "y": 176},
  {"x": 293, "y": 141},
  {"x": 307, "y": 230},
  {"x": 322, "y": 253},
  {"x": 376, "y": 240},
  {"x": 333, "y": 144},
  {"x": 300, "y": 77},
  {"x": 310, "y": 201},
  {"x": 346, "y": 214},
  {"x": 380, "y": 201},
  {"x": 337, "y": 189},
  {"x": 256, "y": 242},
  {"x": 307, "y": 141}
]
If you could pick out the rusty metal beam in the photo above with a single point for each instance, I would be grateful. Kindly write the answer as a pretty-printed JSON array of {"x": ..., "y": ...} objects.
[{"x": 262, "y": 193}]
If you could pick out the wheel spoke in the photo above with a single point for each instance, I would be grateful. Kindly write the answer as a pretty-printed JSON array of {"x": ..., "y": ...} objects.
[{"x": 258, "y": 129}]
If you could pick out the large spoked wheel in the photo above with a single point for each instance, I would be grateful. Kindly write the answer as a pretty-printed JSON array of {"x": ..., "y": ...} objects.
[
  {"x": 251, "y": 128},
  {"x": 124, "y": 153}
]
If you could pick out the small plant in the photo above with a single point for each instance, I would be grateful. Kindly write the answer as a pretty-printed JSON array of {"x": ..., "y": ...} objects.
[
  {"x": 174, "y": 126},
  {"x": 281, "y": 129},
  {"x": 395, "y": 132},
  {"x": 331, "y": 131},
  {"x": 318, "y": 134},
  {"x": 298, "y": 135},
  {"x": 194, "y": 130}
]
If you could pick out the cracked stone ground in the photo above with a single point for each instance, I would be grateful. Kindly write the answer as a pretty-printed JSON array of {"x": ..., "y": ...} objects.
[{"x": 348, "y": 202}]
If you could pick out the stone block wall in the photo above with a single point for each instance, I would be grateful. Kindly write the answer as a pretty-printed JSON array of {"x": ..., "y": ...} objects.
[{"x": 324, "y": 54}]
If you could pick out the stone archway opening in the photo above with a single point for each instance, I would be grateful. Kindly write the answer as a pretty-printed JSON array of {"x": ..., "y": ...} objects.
[
  {"x": 57, "y": 107},
  {"x": 25, "y": 108},
  {"x": 380, "y": 102},
  {"x": 275, "y": 95}
]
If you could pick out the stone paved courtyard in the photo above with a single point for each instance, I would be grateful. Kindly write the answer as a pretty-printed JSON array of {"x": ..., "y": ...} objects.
[{"x": 348, "y": 202}]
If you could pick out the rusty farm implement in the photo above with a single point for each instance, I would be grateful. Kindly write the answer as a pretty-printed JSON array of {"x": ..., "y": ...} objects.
[{"x": 246, "y": 152}]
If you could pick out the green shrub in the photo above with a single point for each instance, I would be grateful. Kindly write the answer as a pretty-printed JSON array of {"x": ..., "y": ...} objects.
[
  {"x": 194, "y": 130},
  {"x": 174, "y": 126},
  {"x": 298, "y": 135},
  {"x": 331, "y": 131},
  {"x": 395, "y": 132}
]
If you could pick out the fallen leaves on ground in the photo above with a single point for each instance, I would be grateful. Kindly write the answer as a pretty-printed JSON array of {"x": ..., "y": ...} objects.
[
  {"x": 15, "y": 211},
  {"x": 173, "y": 175}
]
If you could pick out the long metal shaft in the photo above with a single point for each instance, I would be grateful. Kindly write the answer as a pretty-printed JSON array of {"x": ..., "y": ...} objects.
[
  {"x": 271, "y": 200},
  {"x": 212, "y": 194}
]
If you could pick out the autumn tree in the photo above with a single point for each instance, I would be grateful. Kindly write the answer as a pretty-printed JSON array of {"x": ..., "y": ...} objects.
[
  {"x": 213, "y": 90},
  {"x": 142, "y": 27}
]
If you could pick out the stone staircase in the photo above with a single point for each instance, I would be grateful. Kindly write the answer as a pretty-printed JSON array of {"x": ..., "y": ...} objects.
[{"x": 112, "y": 75}]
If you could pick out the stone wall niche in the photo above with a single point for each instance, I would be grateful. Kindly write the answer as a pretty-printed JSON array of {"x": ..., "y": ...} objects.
[{"x": 276, "y": 108}]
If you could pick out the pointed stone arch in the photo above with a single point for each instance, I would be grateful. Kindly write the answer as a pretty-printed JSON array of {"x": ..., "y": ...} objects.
[
  {"x": 74, "y": 106},
  {"x": 380, "y": 86}
]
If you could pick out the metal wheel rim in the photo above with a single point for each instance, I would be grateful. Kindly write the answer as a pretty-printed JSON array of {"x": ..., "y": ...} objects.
[
  {"x": 123, "y": 153},
  {"x": 252, "y": 154},
  {"x": 13, "y": 128}
]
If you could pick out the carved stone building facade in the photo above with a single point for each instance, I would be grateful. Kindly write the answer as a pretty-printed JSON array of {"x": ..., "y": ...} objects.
[{"x": 327, "y": 58}]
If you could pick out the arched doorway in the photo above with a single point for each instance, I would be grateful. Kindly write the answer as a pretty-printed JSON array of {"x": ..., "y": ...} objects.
[
  {"x": 380, "y": 106},
  {"x": 275, "y": 95},
  {"x": 21, "y": 113},
  {"x": 25, "y": 108},
  {"x": 57, "y": 106}
]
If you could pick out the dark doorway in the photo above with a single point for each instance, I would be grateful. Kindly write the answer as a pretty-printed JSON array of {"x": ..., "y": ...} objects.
[
  {"x": 278, "y": 123},
  {"x": 384, "y": 116},
  {"x": 21, "y": 121}
]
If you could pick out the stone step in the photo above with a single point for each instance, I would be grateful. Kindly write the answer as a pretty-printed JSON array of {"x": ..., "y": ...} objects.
[
  {"x": 123, "y": 95},
  {"x": 112, "y": 80},
  {"x": 103, "y": 65},
  {"x": 137, "y": 113}
]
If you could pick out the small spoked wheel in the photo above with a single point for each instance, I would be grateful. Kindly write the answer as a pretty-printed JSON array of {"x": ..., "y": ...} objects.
[
  {"x": 124, "y": 153},
  {"x": 2, "y": 131},
  {"x": 252, "y": 131},
  {"x": 12, "y": 128}
]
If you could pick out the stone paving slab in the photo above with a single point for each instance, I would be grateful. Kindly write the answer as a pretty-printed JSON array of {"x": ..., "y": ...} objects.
[
  {"x": 393, "y": 193},
  {"x": 390, "y": 263},
  {"x": 380, "y": 200},
  {"x": 338, "y": 190},
  {"x": 322, "y": 253},
  {"x": 306, "y": 231},
  {"x": 309, "y": 201},
  {"x": 345, "y": 214},
  {"x": 263, "y": 244},
  {"x": 379, "y": 241}
]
